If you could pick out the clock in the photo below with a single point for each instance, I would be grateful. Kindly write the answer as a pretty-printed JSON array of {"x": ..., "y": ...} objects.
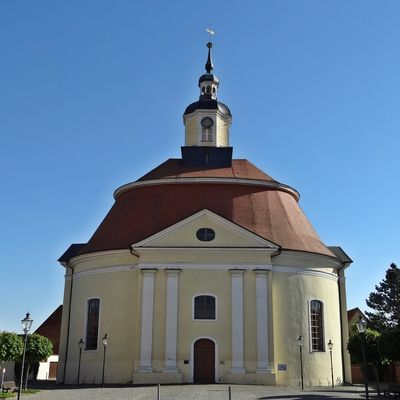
[{"x": 207, "y": 122}]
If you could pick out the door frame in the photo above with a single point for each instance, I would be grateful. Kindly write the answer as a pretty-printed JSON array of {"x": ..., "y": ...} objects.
[{"x": 215, "y": 361}]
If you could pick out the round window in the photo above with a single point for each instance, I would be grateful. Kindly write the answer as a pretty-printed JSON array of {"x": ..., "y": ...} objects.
[{"x": 205, "y": 234}]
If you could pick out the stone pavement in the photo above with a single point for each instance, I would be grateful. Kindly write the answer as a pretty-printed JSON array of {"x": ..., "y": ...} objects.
[{"x": 197, "y": 392}]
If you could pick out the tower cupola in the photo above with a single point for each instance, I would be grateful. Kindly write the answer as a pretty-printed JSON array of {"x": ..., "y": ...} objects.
[{"x": 207, "y": 121}]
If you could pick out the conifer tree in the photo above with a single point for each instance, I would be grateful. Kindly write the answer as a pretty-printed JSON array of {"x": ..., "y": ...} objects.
[{"x": 385, "y": 301}]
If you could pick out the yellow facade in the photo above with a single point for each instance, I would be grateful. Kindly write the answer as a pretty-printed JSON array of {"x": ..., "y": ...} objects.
[{"x": 116, "y": 278}]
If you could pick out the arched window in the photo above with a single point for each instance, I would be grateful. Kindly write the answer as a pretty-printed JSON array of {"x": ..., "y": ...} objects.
[
  {"x": 204, "y": 307},
  {"x": 317, "y": 325},
  {"x": 92, "y": 324}
]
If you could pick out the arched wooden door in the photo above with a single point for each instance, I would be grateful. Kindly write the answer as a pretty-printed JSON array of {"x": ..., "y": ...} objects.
[{"x": 204, "y": 361}]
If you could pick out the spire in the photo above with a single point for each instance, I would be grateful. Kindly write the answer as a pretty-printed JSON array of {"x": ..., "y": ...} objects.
[
  {"x": 208, "y": 82},
  {"x": 209, "y": 64}
]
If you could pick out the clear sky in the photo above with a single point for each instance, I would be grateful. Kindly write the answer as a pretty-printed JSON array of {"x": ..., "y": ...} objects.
[{"x": 92, "y": 95}]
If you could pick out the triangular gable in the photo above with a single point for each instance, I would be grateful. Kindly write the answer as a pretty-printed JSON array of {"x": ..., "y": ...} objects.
[{"x": 227, "y": 234}]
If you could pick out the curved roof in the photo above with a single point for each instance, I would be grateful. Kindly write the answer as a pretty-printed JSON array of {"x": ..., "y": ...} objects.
[
  {"x": 174, "y": 168},
  {"x": 145, "y": 209},
  {"x": 208, "y": 104}
]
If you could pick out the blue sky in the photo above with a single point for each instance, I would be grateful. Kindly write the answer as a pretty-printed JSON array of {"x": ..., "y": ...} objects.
[{"x": 92, "y": 95}]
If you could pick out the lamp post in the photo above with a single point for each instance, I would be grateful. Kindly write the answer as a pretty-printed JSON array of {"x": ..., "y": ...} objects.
[
  {"x": 105, "y": 343},
  {"x": 362, "y": 327},
  {"x": 81, "y": 343},
  {"x": 300, "y": 343},
  {"x": 26, "y": 326},
  {"x": 330, "y": 347}
]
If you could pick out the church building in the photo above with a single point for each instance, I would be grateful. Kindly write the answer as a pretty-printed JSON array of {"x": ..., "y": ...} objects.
[{"x": 205, "y": 270}]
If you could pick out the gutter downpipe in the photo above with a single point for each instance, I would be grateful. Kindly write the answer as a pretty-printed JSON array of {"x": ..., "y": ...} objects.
[
  {"x": 344, "y": 265},
  {"x": 69, "y": 319}
]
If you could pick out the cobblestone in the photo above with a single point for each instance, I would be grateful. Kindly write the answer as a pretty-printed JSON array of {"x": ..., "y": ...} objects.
[{"x": 197, "y": 392}]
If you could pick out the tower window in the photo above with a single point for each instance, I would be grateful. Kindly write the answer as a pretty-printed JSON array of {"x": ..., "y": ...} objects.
[
  {"x": 204, "y": 307},
  {"x": 92, "y": 324},
  {"x": 206, "y": 135},
  {"x": 208, "y": 89},
  {"x": 316, "y": 325},
  {"x": 205, "y": 234}
]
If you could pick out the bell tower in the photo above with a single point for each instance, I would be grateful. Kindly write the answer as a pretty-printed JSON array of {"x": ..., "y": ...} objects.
[{"x": 207, "y": 122}]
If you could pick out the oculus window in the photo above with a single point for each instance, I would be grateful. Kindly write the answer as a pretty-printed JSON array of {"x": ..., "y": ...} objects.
[
  {"x": 204, "y": 307},
  {"x": 316, "y": 325},
  {"x": 205, "y": 234},
  {"x": 92, "y": 324}
]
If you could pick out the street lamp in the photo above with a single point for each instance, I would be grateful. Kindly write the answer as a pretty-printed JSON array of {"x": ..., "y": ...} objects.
[
  {"x": 330, "y": 347},
  {"x": 26, "y": 326},
  {"x": 105, "y": 343},
  {"x": 80, "y": 343},
  {"x": 300, "y": 343},
  {"x": 362, "y": 327}
]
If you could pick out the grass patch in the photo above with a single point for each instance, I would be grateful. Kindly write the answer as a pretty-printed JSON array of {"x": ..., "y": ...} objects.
[{"x": 10, "y": 395}]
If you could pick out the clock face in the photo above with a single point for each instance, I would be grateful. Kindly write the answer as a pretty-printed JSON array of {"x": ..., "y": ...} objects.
[{"x": 207, "y": 122}]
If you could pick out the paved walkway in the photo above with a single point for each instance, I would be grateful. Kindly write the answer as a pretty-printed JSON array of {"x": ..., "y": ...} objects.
[{"x": 198, "y": 392}]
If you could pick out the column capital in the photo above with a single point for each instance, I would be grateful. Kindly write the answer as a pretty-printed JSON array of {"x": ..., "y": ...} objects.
[
  {"x": 260, "y": 272},
  {"x": 172, "y": 271},
  {"x": 148, "y": 271},
  {"x": 237, "y": 271}
]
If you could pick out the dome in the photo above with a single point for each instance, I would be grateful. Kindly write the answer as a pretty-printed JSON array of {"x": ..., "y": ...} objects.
[
  {"x": 208, "y": 104},
  {"x": 242, "y": 194},
  {"x": 208, "y": 77}
]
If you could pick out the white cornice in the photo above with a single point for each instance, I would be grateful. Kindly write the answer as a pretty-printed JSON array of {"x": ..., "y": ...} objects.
[
  {"x": 310, "y": 257},
  {"x": 200, "y": 180},
  {"x": 304, "y": 271},
  {"x": 256, "y": 267},
  {"x": 206, "y": 266},
  {"x": 104, "y": 270},
  {"x": 99, "y": 255}
]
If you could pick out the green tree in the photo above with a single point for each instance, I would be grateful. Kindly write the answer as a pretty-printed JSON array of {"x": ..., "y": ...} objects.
[
  {"x": 385, "y": 301},
  {"x": 38, "y": 348},
  {"x": 11, "y": 346},
  {"x": 373, "y": 346}
]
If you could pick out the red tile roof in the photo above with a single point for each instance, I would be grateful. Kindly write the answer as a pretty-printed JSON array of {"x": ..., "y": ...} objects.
[
  {"x": 173, "y": 168},
  {"x": 141, "y": 211},
  {"x": 51, "y": 328}
]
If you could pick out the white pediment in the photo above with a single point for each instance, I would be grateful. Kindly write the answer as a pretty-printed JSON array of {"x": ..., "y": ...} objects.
[{"x": 183, "y": 234}]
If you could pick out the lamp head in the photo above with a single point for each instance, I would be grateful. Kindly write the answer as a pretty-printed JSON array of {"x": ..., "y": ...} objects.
[
  {"x": 300, "y": 341},
  {"x": 330, "y": 345},
  {"x": 26, "y": 323},
  {"x": 81, "y": 343},
  {"x": 105, "y": 340},
  {"x": 361, "y": 325}
]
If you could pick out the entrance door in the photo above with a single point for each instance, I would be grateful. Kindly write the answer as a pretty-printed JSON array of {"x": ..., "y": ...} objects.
[
  {"x": 204, "y": 361},
  {"x": 53, "y": 370}
]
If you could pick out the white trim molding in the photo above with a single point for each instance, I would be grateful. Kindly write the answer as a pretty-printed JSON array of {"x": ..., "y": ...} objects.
[{"x": 201, "y": 180}]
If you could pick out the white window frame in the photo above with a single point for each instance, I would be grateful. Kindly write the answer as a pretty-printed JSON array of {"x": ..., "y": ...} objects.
[
  {"x": 309, "y": 326},
  {"x": 216, "y": 306}
]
